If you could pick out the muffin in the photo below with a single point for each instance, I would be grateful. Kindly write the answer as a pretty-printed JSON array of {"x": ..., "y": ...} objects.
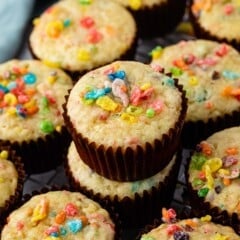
[
  {"x": 209, "y": 73},
  {"x": 184, "y": 229},
  {"x": 216, "y": 20},
  {"x": 137, "y": 202},
  {"x": 11, "y": 180},
  {"x": 153, "y": 16},
  {"x": 78, "y": 36},
  {"x": 31, "y": 98},
  {"x": 74, "y": 217},
  {"x": 125, "y": 119},
  {"x": 213, "y": 176}
]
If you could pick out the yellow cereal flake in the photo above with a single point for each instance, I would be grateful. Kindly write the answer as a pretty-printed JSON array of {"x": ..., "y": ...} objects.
[
  {"x": 58, "y": 128},
  {"x": 40, "y": 211},
  {"x": 83, "y": 54},
  {"x": 219, "y": 236},
  {"x": 214, "y": 164},
  {"x": 4, "y": 154},
  {"x": 128, "y": 118},
  {"x": 51, "y": 63},
  {"x": 11, "y": 111},
  {"x": 193, "y": 81},
  {"x": 206, "y": 218},
  {"x": 145, "y": 86},
  {"x": 54, "y": 28},
  {"x": 107, "y": 103},
  {"x": 36, "y": 21},
  {"x": 10, "y": 99},
  {"x": 51, "y": 79},
  {"x": 135, "y": 4}
]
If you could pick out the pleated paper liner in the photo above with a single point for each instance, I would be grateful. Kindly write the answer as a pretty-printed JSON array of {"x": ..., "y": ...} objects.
[
  {"x": 194, "y": 132},
  {"x": 16, "y": 197},
  {"x": 180, "y": 216},
  {"x": 132, "y": 163},
  {"x": 159, "y": 19},
  {"x": 201, "y": 208},
  {"x": 138, "y": 210},
  {"x": 201, "y": 32},
  {"x": 112, "y": 213},
  {"x": 42, "y": 154}
]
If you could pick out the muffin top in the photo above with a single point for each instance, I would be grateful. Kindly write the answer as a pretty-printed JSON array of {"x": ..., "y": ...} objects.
[
  {"x": 81, "y": 35},
  {"x": 59, "y": 215},
  {"x": 123, "y": 104},
  {"x": 8, "y": 178},
  {"x": 219, "y": 17},
  {"x": 192, "y": 228},
  {"x": 140, "y": 4},
  {"x": 31, "y": 98},
  {"x": 209, "y": 72},
  {"x": 214, "y": 170},
  {"x": 98, "y": 184}
]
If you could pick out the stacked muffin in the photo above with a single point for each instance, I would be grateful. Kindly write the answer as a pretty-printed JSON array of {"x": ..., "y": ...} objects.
[{"x": 125, "y": 120}]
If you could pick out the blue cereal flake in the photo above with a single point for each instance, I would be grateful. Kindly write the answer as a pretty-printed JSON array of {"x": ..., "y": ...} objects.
[
  {"x": 67, "y": 22},
  {"x": 201, "y": 96},
  {"x": 118, "y": 74},
  {"x": 230, "y": 75},
  {"x": 11, "y": 85},
  {"x": 4, "y": 89},
  {"x": 135, "y": 186},
  {"x": 169, "y": 82},
  {"x": 75, "y": 225},
  {"x": 63, "y": 231},
  {"x": 30, "y": 78},
  {"x": 54, "y": 234},
  {"x": 96, "y": 93},
  {"x": 52, "y": 214}
]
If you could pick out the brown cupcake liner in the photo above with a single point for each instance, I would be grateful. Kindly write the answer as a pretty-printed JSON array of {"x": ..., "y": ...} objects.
[
  {"x": 130, "y": 164},
  {"x": 159, "y": 19},
  {"x": 26, "y": 197},
  {"x": 16, "y": 197},
  {"x": 201, "y": 32},
  {"x": 200, "y": 208},
  {"x": 42, "y": 154},
  {"x": 143, "y": 208},
  {"x": 194, "y": 132},
  {"x": 181, "y": 216},
  {"x": 129, "y": 54}
]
